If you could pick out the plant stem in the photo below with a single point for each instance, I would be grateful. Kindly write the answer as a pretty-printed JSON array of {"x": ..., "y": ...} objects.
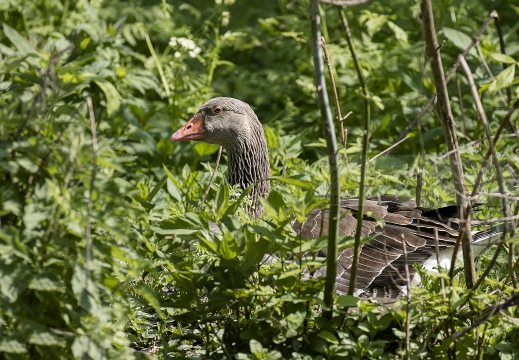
[
  {"x": 329, "y": 134},
  {"x": 364, "y": 157},
  {"x": 452, "y": 142}
]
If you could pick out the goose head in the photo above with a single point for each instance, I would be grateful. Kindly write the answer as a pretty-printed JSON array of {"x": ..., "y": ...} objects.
[{"x": 232, "y": 124}]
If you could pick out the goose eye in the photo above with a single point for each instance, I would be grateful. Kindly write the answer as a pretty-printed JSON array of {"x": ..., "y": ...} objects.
[{"x": 217, "y": 110}]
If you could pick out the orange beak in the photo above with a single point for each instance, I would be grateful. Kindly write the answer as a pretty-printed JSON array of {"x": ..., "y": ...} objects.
[{"x": 192, "y": 130}]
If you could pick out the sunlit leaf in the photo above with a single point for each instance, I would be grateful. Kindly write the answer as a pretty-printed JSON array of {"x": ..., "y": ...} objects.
[
  {"x": 113, "y": 98},
  {"x": 458, "y": 39}
]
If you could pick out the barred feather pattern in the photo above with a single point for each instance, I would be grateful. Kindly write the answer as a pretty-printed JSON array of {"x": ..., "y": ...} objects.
[{"x": 381, "y": 265}]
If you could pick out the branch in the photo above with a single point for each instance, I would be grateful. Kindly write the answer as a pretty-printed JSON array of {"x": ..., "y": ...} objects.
[
  {"x": 344, "y": 2},
  {"x": 490, "y": 311},
  {"x": 491, "y": 148},
  {"x": 475, "y": 39},
  {"x": 451, "y": 139},
  {"x": 331, "y": 144}
]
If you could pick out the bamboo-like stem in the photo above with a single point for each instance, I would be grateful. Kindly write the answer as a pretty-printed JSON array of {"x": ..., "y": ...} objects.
[
  {"x": 451, "y": 139},
  {"x": 90, "y": 204},
  {"x": 329, "y": 133},
  {"x": 364, "y": 157},
  {"x": 334, "y": 89}
]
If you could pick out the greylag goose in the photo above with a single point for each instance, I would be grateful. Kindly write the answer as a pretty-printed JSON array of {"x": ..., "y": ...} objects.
[{"x": 232, "y": 124}]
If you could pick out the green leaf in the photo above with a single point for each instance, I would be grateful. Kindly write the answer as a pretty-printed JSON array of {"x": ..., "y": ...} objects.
[
  {"x": 503, "y": 80},
  {"x": 256, "y": 348},
  {"x": 347, "y": 300},
  {"x": 503, "y": 58},
  {"x": 458, "y": 39},
  {"x": 113, "y": 98},
  {"x": 209, "y": 244},
  {"x": 292, "y": 181},
  {"x": 45, "y": 338},
  {"x": 150, "y": 296},
  {"x": 400, "y": 34},
  {"x": 45, "y": 283},
  {"x": 328, "y": 336},
  {"x": 12, "y": 346},
  {"x": 203, "y": 149},
  {"x": 20, "y": 42},
  {"x": 228, "y": 249}
]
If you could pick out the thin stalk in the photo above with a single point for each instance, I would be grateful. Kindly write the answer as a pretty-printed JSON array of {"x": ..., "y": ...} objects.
[
  {"x": 345, "y": 2},
  {"x": 90, "y": 204},
  {"x": 503, "y": 51},
  {"x": 484, "y": 122},
  {"x": 331, "y": 144},
  {"x": 364, "y": 157},
  {"x": 211, "y": 180},
  {"x": 157, "y": 64},
  {"x": 334, "y": 89},
  {"x": 408, "y": 303}
]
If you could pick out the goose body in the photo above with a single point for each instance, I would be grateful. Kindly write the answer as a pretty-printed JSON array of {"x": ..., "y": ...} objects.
[{"x": 232, "y": 124}]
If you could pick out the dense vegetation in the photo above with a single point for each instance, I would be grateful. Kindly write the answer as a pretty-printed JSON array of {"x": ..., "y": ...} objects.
[{"x": 105, "y": 248}]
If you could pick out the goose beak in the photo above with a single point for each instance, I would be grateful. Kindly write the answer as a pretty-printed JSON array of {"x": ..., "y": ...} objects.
[{"x": 192, "y": 130}]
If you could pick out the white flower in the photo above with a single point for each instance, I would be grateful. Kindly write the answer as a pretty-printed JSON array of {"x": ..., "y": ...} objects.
[
  {"x": 186, "y": 44},
  {"x": 225, "y": 18}
]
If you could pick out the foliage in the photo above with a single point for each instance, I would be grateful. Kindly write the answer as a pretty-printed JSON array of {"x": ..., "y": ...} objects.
[{"x": 105, "y": 251}]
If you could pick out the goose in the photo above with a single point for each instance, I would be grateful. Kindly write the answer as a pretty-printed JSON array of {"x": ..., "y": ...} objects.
[{"x": 232, "y": 124}]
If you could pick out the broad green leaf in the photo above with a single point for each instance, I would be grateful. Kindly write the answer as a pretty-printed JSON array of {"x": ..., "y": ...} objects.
[
  {"x": 458, "y": 39},
  {"x": 12, "y": 346},
  {"x": 228, "y": 249},
  {"x": 328, "y": 336},
  {"x": 400, "y": 34},
  {"x": 173, "y": 190},
  {"x": 19, "y": 41},
  {"x": 503, "y": 80},
  {"x": 256, "y": 348},
  {"x": 45, "y": 283},
  {"x": 507, "y": 59},
  {"x": 373, "y": 21},
  {"x": 208, "y": 243},
  {"x": 84, "y": 347},
  {"x": 347, "y": 300},
  {"x": 203, "y": 149},
  {"x": 292, "y": 181},
  {"x": 272, "y": 138},
  {"x": 113, "y": 98},
  {"x": 27, "y": 164},
  {"x": 46, "y": 338},
  {"x": 171, "y": 177},
  {"x": 150, "y": 296}
]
